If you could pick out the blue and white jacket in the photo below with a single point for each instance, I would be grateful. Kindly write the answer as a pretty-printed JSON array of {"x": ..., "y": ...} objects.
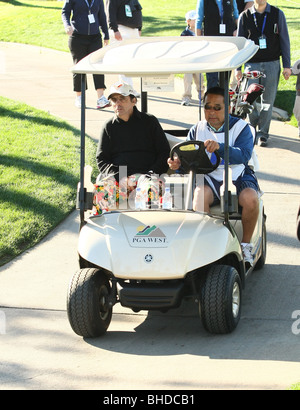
[{"x": 240, "y": 144}]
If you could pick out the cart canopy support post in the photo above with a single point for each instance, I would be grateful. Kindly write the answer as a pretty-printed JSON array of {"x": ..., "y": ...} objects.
[
  {"x": 144, "y": 99},
  {"x": 82, "y": 190},
  {"x": 224, "y": 83}
]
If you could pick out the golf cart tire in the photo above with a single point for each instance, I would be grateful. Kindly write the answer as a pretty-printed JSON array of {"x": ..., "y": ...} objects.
[
  {"x": 262, "y": 259},
  {"x": 87, "y": 303},
  {"x": 220, "y": 300}
]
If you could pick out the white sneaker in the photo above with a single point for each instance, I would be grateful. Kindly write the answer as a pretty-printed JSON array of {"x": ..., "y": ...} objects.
[
  {"x": 78, "y": 101},
  {"x": 247, "y": 252},
  {"x": 102, "y": 102},
  {"x": 185, "y": 101}
]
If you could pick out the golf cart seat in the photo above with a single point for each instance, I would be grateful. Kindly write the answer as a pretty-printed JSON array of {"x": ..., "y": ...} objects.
[
  {"x": 217, "y": 211},
  {"x": 174, "y": 137}
]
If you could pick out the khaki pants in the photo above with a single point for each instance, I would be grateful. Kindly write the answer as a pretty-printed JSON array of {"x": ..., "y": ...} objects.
[{"x": 188, "y": 81}]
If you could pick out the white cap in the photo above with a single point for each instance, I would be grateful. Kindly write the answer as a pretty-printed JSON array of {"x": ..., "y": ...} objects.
[
  {"x": 123, "y": 89},
  {"x": 191, "y": 15}
]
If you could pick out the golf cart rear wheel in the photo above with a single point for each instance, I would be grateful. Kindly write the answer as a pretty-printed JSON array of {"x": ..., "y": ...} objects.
[
  {"x": 262, "y": 259},
  {"x": 88, "y": 309},
  {"x": 220, "y": 300}
]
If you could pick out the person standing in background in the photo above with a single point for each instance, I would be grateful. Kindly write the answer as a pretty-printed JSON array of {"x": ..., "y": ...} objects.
[
  {"x": 125, "y": 21},
  {"x": 244, "y": 5},
  {"x": 266, "y": 26},
  {"x": 219, "y": 18},
  {"x": 296, "y": 109},
  {"x": 82, "y": 20},
  {"x": 190, "y": 19}
]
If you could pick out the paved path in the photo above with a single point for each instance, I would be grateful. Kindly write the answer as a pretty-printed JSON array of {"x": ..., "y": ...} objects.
[{"x": 38, "y": 350}]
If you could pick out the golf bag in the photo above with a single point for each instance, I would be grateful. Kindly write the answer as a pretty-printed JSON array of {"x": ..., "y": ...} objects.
[{"x": 243, "y": 96}]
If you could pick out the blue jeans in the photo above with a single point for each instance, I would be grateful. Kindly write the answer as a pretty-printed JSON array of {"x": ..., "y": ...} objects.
[
  {"x": 212, "y": 80},
  {"x": 262, "y": 119}
]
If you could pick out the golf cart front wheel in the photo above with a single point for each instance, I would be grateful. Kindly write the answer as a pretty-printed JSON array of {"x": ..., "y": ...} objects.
[
  {"x": 88, "y": 306},
  {"x": 220, "y": 300}
]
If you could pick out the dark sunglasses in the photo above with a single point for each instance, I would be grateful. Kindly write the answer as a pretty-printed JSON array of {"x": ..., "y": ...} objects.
[{"x": 210, "y": 107}]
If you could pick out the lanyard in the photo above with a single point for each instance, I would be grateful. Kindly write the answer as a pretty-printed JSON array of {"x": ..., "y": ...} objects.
[
  {"x": 221, "y": 9},
  {"x": 264, "y": 23},
  {"x": 89, "y": 6}
]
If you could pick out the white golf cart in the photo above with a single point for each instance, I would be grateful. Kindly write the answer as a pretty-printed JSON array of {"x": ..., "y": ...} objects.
[{"x": 151, "y": 259}]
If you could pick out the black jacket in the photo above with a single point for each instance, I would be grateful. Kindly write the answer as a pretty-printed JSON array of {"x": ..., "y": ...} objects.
[
  {"x": 140, "y": 144},
  {"x": 212, "y": 19},
  {"x": 271, "y": 32},
  {"x": 75, "y": 13},
  {"x": 115, "y": 10}
]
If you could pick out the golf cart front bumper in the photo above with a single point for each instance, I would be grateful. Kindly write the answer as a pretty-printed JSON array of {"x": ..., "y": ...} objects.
[{"x": 146, "y": 296}]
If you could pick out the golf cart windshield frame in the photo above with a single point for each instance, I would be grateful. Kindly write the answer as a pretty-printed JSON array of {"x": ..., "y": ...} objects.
[{"x": 153, "y": 56}]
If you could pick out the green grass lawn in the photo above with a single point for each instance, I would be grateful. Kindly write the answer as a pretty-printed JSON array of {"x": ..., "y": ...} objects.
[
  {"x": 39, "y": 172},
  {"x": 295, "y": 387},
  {"x": 39, "y": 154}
]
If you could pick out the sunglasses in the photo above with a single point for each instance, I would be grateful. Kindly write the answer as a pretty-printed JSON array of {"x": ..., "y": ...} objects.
[{"x": 208, "y": 107}]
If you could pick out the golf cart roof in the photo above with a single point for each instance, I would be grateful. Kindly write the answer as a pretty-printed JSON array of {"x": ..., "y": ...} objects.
[{"x": 149, "y": 56}]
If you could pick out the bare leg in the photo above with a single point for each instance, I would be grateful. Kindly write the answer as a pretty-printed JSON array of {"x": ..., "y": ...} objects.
[
  {"x": 203, "y": 198},
  {"x": 248, "y": 199}
]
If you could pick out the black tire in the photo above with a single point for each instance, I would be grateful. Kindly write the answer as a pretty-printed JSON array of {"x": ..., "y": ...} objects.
[
  {"x": 87, "y": 303},
  {"x": 262, "y": 259},
  {"x": 220, "y": 300}
]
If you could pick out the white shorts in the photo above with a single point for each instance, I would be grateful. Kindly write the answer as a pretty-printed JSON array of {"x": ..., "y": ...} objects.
[{"x": 126, "y": 33}]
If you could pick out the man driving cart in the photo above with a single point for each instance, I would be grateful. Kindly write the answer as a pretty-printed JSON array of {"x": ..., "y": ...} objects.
[{"x": 211, "y": 131}]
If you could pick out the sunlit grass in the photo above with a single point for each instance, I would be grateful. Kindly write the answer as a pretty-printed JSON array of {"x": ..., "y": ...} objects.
[
  {"x": 295, "y": 387},
  {"x": 39, "y": 172}
]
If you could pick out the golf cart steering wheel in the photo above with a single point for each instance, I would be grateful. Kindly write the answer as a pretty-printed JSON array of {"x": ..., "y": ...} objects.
[{"x": 194, "y": 157}]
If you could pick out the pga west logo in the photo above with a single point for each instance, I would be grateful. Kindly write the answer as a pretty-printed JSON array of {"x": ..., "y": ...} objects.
[
  {"x": 296, "y": 323},
  {"x": 149, "y": 235}
]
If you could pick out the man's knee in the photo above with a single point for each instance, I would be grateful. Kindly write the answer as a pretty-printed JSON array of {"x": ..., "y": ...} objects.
[
  {"x": 203, "y": 198},
  {"x": 248, "y": 199}
]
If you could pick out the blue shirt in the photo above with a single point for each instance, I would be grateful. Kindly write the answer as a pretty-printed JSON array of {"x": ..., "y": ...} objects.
[{"x": 187, "y": 32}]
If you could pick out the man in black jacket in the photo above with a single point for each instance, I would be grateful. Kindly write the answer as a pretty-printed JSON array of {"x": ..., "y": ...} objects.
[{"x": 131, "y": 138}]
